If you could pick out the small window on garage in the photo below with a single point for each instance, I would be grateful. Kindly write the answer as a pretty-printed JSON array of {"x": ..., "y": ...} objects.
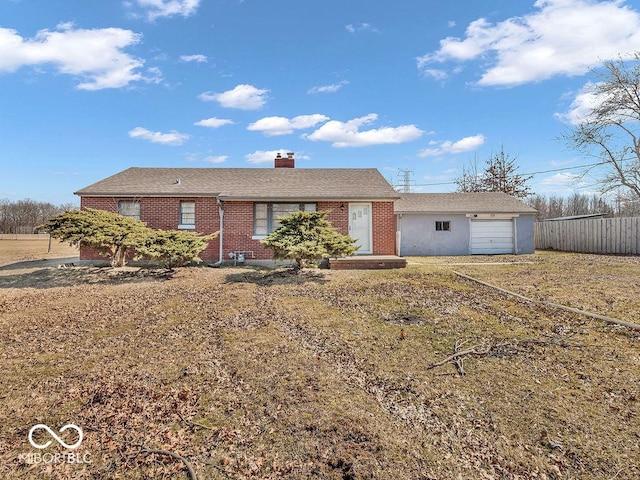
[{"x": 443, "y": 226}]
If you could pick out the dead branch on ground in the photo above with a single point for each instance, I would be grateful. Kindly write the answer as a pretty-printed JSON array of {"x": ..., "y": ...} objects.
[
  {"x": 486, "y": 348},
  {"x": 458, "y": 355},
  {"x": 150, "y": 451}
]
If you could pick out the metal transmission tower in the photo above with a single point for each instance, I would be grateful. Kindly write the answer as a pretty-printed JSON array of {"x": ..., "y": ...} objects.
[{"x": 405, "y": 180}]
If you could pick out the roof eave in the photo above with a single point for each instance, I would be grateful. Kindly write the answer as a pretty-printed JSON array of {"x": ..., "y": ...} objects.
[
  {"x": 316, "y": 198},
  {"x": 80, "y": 193},
  {"x": 463, "y": 212}
]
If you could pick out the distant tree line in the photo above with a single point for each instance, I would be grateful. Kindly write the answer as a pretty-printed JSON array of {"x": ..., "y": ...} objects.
[
  {"x": 555, "y": 206},
  {"x": 23, "y": 216}
]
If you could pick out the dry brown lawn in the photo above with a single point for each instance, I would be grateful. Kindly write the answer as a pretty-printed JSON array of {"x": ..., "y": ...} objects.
[
  {"x": 248, "y": 373},
  {"x": 25, "y": 248}
]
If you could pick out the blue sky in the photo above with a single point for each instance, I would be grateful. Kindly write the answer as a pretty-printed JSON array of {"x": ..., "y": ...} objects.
[{"x": 90, "y": 88}]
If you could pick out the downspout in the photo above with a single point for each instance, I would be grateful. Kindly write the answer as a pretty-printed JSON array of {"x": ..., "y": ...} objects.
[
  {"x": 398, "y": 235},
  {"x": 220, "y": 235}
]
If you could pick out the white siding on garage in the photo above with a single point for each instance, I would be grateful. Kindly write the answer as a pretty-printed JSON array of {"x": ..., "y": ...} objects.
[{"x": 490, "y": 237}]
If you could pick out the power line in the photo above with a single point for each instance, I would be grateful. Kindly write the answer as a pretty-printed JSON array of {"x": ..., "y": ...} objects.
[{"x": 523, "y": 174}]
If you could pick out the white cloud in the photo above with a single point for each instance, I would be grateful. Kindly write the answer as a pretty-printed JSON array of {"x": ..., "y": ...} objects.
[
  {"x": 466, "y": 144},
  {"x": 265, "y": 156},
  {"x": 436, "y": 73},
  {"x": 562, "y": 183},
  {"x": 214, "y": 122},
  {"x": 560, "y": 179},
  {"x": 585, "y": 101},
  {"x": 272, "y": 126},
  {"x": 581, "y": 106},
  {"x": 194, "y": 58},
  {"x": 361, "y": 27},
  {"x": 216, "y": 159},
  {"x": 348, "y": 134},
  {"x": 243, "y": 97},
  {"x": 164, "y": 8},
  {"x": 94, "y": 56},
  {"x": 171, "y": 138},
  {"x": 333, "y": 88},
  {"x": 561, "y": 37}
]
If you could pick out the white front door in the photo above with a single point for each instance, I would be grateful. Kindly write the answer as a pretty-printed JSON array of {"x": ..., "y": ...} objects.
[{"x": 360, "y": 215}]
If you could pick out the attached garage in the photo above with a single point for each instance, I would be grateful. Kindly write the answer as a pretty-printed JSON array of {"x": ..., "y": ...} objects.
[{"x": 463, "y": 224}]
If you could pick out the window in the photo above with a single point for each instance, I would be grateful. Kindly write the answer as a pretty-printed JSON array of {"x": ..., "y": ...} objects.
[
  {"x": 187, "y": 215},
  {"x": 442, "y": 226},
  {"x": 129, "y": 208},
  {"x": 266, "y": 215}
]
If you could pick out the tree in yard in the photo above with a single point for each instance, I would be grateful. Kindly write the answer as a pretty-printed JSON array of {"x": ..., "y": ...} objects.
[
  {"x": 115, "y": 236},
  {"x": 172, "y": 248},
  {"x": 110, "y": 234},
  {"x": 499, "y": 175},
  {"x": 308, "y": 237},
  {"x": 471, "y": 179},
  {"x": 610, "y": 130}
]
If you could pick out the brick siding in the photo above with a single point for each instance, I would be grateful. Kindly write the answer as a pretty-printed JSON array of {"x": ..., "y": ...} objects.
[{"x": 164, "y": 213}]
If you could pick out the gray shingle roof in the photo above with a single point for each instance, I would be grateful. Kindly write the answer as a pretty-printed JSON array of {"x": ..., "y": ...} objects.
[
  {"x": 247, "y": 183},
  {"x": 486, "y": 202}
]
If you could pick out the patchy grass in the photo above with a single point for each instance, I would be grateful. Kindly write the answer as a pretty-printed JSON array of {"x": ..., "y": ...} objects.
[
  {"x": 321, "y": 374},
  {"x": 604, "y": 284}
]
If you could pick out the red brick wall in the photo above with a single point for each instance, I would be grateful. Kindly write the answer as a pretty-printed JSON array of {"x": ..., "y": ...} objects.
[
  {"x": 238, "y": 227},
  {"x": 384, "y": 229},
  {"x": 164, "y": 213},
  {"x": 238, "y": 231}
]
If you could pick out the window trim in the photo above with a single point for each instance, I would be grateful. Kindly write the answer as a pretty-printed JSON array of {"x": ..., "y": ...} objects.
[
  {"x": 269, "y": 218},
  {"x": 443, "y": 225},
  {"x": 181, "y": 224}
]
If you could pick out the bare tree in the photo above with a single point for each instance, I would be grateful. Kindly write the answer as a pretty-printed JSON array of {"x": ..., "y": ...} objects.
[
  {"x": 611, "y": 130},
  {"x": 499, "y": 175},
  {"x": 470, "y": 180},
  {"x": 23, "y": 216}
]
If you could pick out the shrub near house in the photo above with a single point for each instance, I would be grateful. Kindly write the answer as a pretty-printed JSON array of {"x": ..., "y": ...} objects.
[
  {"x": 115, "y": 236},
  {"x": 308, "y": 237}
]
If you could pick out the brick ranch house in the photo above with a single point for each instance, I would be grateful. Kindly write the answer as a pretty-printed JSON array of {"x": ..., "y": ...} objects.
[{"x": 244, "y": 204}]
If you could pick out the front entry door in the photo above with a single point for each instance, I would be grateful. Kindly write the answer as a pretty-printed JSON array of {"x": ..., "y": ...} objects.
[{"x": 360, "y": 225}]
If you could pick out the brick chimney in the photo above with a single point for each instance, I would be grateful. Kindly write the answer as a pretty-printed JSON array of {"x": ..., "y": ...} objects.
[{"x": 288, "y": 162}]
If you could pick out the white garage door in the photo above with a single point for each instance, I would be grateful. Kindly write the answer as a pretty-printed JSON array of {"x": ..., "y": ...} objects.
[{"x": 490, "y": 237}]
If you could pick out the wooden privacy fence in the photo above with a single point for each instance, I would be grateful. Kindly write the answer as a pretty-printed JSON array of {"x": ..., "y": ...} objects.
[{"x": 593, "y": 235}]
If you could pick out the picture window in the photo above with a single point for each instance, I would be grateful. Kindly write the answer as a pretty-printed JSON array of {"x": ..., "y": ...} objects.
[{"x": 266, "y": 215}]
